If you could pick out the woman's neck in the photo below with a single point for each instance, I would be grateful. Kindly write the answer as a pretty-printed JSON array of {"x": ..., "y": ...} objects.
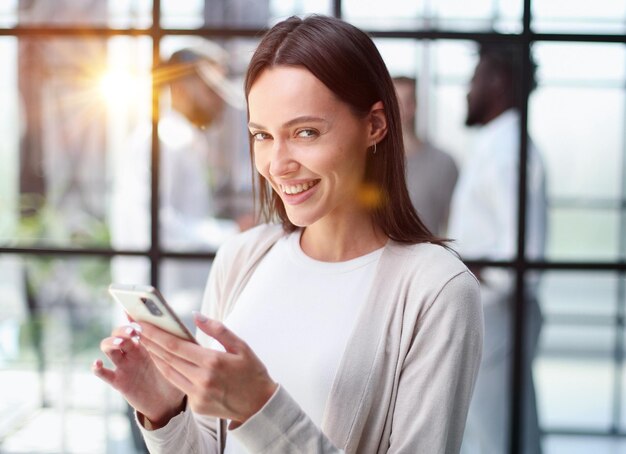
[{"x": 338, "y": 242}]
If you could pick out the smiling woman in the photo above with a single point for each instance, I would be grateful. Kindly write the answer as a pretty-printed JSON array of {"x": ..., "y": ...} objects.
[{"x": 399, "y": 315}]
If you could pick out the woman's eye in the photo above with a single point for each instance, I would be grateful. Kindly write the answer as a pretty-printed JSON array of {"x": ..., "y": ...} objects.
[
  {"x": 307, "y": 133},
  {"x": 260, "y": 136}
]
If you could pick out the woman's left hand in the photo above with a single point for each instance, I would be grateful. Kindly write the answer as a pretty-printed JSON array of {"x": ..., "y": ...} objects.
[{"x": 230, "y": 385}]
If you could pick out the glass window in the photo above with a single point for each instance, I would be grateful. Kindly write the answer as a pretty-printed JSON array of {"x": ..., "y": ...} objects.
[
  {"x": 70, "y": 106},
  {"x": 54, "y": 314},
  {"x": 11, "y": 123},
  {"x": 189, "y": 14},
  {"x": 574, "y": 370},
  {"x": 583, "y": 150},
  {"x": 555, "y": 16},
  {"x": 182, "y": 284},
  {"x": 574, "y": 377},
  {"x": 503, "y": 15},
  {"x": 582, "y": 234},
  {"x": 579, "y": 294},
  {"x": 111, "y": 13},
  {"x": 581, "y": 444}
]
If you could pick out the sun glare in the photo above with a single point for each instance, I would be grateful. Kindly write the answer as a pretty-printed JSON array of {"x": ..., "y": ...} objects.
[{"x": 120, "y": 87}]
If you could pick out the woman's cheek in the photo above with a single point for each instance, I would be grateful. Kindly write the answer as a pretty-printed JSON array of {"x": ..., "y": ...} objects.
[{"x": 260, "y": 164}]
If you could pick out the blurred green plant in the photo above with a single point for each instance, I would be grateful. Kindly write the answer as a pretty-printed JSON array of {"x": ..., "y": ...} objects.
[{"x": 65, "y": 292}]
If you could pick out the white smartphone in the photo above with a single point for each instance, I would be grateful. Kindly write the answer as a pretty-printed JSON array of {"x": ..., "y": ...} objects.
[{"x": 145, "y": 303}]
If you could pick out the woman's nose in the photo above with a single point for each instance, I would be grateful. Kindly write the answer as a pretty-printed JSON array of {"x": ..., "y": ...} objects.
[{"x": 282, "y": 162}]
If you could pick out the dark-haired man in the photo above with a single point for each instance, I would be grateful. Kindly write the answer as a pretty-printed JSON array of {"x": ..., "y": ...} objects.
[{"x": 483, "y": 221}]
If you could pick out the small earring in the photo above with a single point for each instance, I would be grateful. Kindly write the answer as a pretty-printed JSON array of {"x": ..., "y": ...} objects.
[{"x": 374, "y": 152}]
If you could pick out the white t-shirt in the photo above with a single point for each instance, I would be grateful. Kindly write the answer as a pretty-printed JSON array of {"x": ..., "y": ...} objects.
[{"x": 297, "y": 314}]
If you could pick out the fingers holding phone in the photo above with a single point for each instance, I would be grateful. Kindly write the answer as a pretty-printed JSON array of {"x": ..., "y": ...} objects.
[
  {"x": 232, "y": 384},
  {"x": 123, "y": 345},
  {"x": 135, "y": 375}
]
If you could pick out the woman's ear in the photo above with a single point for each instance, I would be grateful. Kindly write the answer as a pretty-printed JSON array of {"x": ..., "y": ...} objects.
[{"x": 377, "y": 119}]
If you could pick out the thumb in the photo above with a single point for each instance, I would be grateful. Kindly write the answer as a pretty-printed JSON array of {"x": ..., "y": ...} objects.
[{"x": 218, "y": 331}]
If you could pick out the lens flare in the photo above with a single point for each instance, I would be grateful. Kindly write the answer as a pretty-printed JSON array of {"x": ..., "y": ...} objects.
[
  {"x": 120, "y": 87},
  {"x": 370, "y": 196}
]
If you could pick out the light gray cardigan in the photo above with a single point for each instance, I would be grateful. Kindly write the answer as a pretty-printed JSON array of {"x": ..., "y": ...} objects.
[{"x": 404, "y": 383}]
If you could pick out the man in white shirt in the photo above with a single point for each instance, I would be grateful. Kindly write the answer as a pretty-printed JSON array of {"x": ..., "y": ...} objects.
[{"x": 483, "y": 221}]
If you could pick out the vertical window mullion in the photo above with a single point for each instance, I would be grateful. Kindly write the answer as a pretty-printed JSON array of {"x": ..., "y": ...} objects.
[
  {"x": 155, "y": 253},
  {"x": 517, "y": 382},
  {"x": 337, "y": 8}
]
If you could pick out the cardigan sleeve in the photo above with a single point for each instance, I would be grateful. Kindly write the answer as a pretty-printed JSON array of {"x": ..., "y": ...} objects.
[
  {"x": 282, "y": 427},
  {"x": 439, "y": 372},
  {"x": 185, "y": 432}
]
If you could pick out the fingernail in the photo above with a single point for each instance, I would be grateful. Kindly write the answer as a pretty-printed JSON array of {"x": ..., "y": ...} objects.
[
  {"x": 130, "y": 330},
  {"x": 96, "y": 364},
  {"x": 200, "y": 317},
  {"x": 136, "y": 327},
  {"x": 118, "y": 341}
]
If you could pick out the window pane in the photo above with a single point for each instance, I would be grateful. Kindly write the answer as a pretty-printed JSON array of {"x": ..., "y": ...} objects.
[
  {"x": 54, "y": 313},
  {"x": 112, "y": 13},
  {"x": 582, "y": 234},
  {"x": 565, "y": 125},
  {"x": 183, "y": 285},
  {"x": 235, "y": 13},
  {"x": 69, "y": 106},
  {"x": 502, "y": 16},
  {"x": 11, "y": 124},
  {"x": 574, "y": 377},
  {"x": 581, "y": 444},
  {"x": 579, "y": 294},
  {"x": 603, "y": 16},
  {"x": 583, "y": 150},
  {"x": 582, "y": 62}
]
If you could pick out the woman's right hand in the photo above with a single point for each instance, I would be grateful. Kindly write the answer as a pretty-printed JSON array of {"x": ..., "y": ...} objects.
[{"x": 137, "y": 378}]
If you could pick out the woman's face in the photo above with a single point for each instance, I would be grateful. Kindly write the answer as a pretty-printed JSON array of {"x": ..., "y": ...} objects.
[{"x": 308, "y": 145}]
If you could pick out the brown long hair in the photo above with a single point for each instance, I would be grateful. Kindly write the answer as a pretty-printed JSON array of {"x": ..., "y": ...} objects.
[{"x": 346, "y": 60}]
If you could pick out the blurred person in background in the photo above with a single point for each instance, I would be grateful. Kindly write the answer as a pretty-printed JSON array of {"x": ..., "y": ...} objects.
[
  {"x": 197, "y": 209},
  {"x": 483, "y": 222},
  {"x": 431, "y": 173}
]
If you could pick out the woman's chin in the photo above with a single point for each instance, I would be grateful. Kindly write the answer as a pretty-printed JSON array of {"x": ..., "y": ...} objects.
[{"x": 300, "y": 220}]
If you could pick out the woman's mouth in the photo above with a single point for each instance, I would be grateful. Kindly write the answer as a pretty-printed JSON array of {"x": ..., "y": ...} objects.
[
  {"x": 297, "y": 188},
  {"x": 294, "y": 194}
]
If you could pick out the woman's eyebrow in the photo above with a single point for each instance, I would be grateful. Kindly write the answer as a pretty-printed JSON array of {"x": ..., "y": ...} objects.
[{"x": 294, "y": 121}]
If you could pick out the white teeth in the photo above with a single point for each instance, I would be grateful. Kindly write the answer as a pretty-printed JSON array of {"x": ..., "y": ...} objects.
[{"x": 298, "y": 188}]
